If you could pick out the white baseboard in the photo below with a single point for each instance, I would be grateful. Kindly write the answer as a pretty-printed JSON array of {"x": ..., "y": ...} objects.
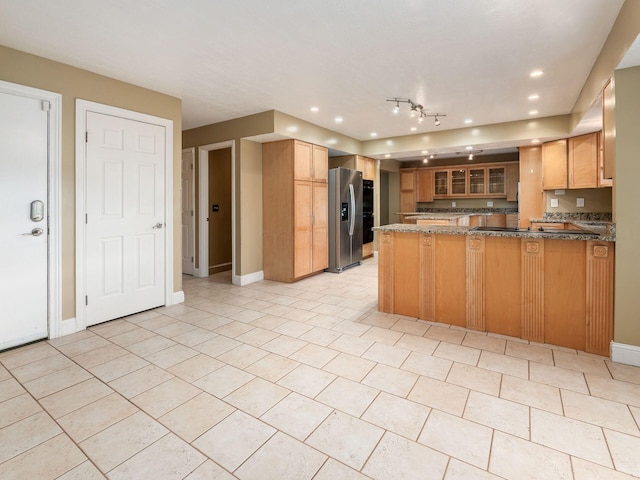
[
  {"x": 178, "y": 297},
  {"x": 68, "y": 326},
  {"x": 375, "y": 254},
  {"x": 243, "y": 280},
  {"x": 623, "y": 353}
]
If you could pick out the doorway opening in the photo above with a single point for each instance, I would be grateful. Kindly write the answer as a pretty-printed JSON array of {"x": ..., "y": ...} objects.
[{"x": 216, "y": 232}]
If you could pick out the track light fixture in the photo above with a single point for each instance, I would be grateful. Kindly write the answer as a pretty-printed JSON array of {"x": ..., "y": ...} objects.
[{"x": 415, "y": 110}]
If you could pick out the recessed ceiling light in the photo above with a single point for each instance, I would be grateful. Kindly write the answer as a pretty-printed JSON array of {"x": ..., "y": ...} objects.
[
  {"x": 533, "y": 112},
  {"x": 314, "y": 109},
  {"x": 387, "y": 155},
  {"x": 468, "y": 121},
  {"x": 373, "y": 134},
  {"x": 536, "y": 73},
  {"x": 413, "y": 129},
  {"x": 424, "y": 152},
  {"x": 535, "y": 140},
  {"x": 533, "y": 97},
  {"x": 338, "y": 119},
  {"x": 469, "y": 147}
]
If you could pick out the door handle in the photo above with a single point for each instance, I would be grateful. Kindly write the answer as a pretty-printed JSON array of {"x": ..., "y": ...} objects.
[
  {"x": 36, "y": 232},
  {"x": 158, "y": 225}
]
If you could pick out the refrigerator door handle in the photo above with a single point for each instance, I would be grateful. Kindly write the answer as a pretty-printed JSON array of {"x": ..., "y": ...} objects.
[{"x": 352, "y": 202}]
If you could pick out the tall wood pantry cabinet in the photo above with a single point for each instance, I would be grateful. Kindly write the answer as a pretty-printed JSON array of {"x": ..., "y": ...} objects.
[{"x": 295, "y": 209}]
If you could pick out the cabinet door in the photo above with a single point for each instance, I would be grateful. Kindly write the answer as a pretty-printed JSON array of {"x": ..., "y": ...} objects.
[
  {"x": 477, "y": 180},
  {"x": 513, "y": 177},
  {"x": 407, "y": 201},
  {"x": 302, "y": 241},
  {"x": 407, "y": 180},
  {"x": 320, "y": 170},
  {"x": 458, "y": 181},
  {"x": 370, "y": 169},
  {"x": 497, "y": 180},
  {"x": 425, "y": 186},
  {"x": 609, "y": 129},
  {"x": 302, "y": 163},
  {"x": 441, "y": 183},
  {"x": 320, "y": 235},
  {"x": 583, "y": 161},
  {"x": 554, "y": 165}
]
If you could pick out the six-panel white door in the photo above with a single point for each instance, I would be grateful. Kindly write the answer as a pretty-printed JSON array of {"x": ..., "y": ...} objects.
[
  {"x": 23, "y": 238},
  {"x": 125, "y": 205}
]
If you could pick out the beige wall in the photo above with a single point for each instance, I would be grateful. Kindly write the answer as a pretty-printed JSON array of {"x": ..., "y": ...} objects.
[
  {"x": 627, "y": 276},
  {"x": 251, "y": 207},
  {"x": 595, "y": 200},
  {"x": 220, "y": 221},
  {"x": 462, "y": 203},
  {"x": 74, "y": 83}
]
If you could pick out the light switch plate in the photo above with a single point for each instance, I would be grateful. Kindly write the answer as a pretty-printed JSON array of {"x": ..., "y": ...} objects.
[
  {"x": 579, "y": 202},
  {"x": 554, "y": 203},
  {"x": 559, "y": 192},
  {"x": 453, "y": 204},
  {"x": 489, "y": 204}
]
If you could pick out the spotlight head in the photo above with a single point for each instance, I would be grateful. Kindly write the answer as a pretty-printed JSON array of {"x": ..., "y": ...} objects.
[{"x": 437, "y": 122}]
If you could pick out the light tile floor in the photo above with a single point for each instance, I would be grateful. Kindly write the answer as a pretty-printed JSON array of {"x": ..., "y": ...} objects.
[{"x": 309, "y": 381}]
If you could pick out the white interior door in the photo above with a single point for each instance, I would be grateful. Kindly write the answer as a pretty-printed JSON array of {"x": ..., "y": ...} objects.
[
  {"x": 125, "y": 208},
  {"x": 23, "y": 234},
  {"x": 188, "y": 207}
]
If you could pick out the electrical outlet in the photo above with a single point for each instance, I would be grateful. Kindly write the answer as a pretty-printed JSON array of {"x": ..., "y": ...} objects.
[
  {"x": 579, "y": 202},
  {"x": 453, "y": 204},
  {"x": 489, "y": 204},
  {"x": 554, "y": 203}
]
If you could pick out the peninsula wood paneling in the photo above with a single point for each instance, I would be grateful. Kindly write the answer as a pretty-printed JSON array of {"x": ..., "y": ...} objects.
[
  {"x": 406, "y": 274},
  {"x": 451, "y": 279},
  {"x": 599, "y": 296},
  {"x": 533, "y": 289},
  {"x": 427, "y": 305},
  {"x": 503, "y": 291},
  {"x": 385, "y": 272},
  {"x": 565, "y": 293},
  {"x": 475, "y": 283}
]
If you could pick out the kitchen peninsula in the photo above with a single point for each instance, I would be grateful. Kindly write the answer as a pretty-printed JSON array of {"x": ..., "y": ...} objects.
[{"x": 544, "y": 286}]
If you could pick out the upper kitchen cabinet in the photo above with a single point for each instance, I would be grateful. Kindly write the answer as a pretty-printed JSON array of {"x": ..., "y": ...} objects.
[
  {"x": 424, "y": 184},
  {"x": 477, "y": 181},
  {"x": 513, "y": 177},
  {"x": 408, "y": 190},
  {"x": 311, "y": 162},
  {"x": 583, "y": 161},
  {"x": 497, "y": 178},
  {"x": 365, "y": 165},
  {"x": 441, "y": 183},
  {"x": 295, "y": 209},
  {"x": 608, "y": 130},
  {"x": 554, "y": 165},
  {"x": 459, "y": 184}
]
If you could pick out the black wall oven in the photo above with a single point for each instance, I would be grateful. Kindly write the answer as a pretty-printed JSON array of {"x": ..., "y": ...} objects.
[{"x": 367, "y": 211}]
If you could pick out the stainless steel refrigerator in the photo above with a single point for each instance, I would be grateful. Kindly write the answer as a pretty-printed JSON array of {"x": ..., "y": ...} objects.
[{"x": 345, "y": 219}]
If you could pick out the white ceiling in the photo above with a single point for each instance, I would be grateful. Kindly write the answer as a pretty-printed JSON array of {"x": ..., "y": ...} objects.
[{"x": 228, "y": 59}]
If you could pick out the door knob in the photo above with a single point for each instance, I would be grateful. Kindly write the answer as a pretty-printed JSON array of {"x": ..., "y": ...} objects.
[
  {"x": 158, "y": 225},
  {"x": 36, "y": 232}
]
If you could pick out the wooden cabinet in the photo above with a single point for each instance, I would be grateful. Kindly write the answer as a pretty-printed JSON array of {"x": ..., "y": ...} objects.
[
  {"x": 295, "y": 209},
  {"x": 458, "y": 182},
  {"x": 424, "y": 183},
  {"x": 408, "y": 190},
  {"x": 554, "y": 165},
  {"x": 477, "y": 180},
  {"x": 608, "y": 129},
  {"x": 441, "y": 183},
  {"x": 367, "y": 166},
  {"x": 513, "y": 177},
  {"x": 583, "y": 161},
  {"x": 497, "y": 179},
  {"x": 531, "y": 201}
]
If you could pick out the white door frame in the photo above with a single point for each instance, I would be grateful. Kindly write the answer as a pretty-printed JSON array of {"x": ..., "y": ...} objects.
[
  {"x": 54, "y": 254},
  {"x": 82, "y": 107},
  {"x": 192, "y": 150},
  {"x": 203, "y": 206}
]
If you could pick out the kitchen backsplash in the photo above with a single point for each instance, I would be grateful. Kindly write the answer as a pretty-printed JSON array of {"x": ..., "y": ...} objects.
[
  {"x": 595, "y": 200},
  {"x": 467, "y": 203}
]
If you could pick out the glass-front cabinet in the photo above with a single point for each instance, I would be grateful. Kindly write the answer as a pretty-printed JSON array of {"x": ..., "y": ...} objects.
[
  {"x": 497, "y": 180},
  {"x": 441, "y": 182},
  {"x": 477, "y": 177},
  {"x": 458, "y": 181}
]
